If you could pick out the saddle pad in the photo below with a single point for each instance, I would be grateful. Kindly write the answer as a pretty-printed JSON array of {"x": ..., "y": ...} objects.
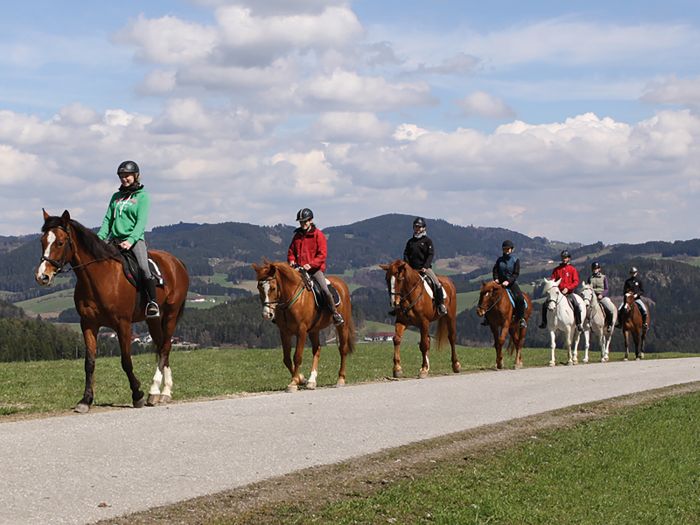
[{"x": 512, "y": 298}]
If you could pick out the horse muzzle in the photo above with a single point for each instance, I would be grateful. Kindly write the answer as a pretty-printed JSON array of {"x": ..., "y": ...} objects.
[
  {"x": 480, "y": 312},
  {"x": 43, "y": 276},
  {"x": 268, "y": 313}
]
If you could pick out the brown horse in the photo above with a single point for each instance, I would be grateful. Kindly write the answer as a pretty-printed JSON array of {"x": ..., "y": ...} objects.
[
  {"x": 495, "y": 305},
  {"x": 104, "y": 297},
  {"x": 631, "y": 322},
  {"x": 414, "y": 307},
  {"x": 290, "y": 305}
]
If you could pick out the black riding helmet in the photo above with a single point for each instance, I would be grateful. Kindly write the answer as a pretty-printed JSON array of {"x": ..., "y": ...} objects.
[
  {"x": 304, "y": 214},
  {"x": 507, "y": 244},
  {"x": 595, "y": 266},
  {"x": 565, "y": 254},
  {"x": 419, "y": 221},
  {"x": 128, "y": 167}
]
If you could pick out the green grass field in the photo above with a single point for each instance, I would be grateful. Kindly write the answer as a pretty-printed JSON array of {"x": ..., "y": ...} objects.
[
  {"x": 640, "y": 466},
  {"x": 56, "y": 386},
  {"x": 52, "y": 303}
]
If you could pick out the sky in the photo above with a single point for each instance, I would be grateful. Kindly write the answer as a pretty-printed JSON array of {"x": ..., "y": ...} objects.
[{"x": 575, "y": 121}]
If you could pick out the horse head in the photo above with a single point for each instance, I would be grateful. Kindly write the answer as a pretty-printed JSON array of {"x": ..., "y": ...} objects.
[
  {"x": 629, "y": 301},
  {"x": 589, "y": 296},
  {"x": 268, "y": 288},
  {"x": 551, "y": 290},
  {"x": 396, "y": 273},
  {"x": 489, "y": 296},
  {"x": 56, "y": 246}
]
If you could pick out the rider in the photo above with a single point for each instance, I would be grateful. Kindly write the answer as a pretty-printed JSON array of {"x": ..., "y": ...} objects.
[
  {"x": 308, "y": 250},
  {"x": 419, "y": 254},
  {"x": 125, "y": 225},
  {"x": 505, "y": 272},
  {"x": 568, "y": 283},
  {"x": 634, "y": 285},
  {"x": 599, "y": 282}
]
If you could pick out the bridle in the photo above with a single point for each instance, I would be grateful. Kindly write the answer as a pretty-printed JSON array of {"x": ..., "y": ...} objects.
[
  {"x": 494, "y": 303},
  {"x": 60, "y": 265},
  {"x": 281, "y": 304},
  {"x": 406, "y": 296}
]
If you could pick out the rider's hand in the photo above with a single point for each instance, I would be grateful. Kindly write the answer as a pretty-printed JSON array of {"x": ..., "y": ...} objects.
[
  {"x": 422, "y": 270},
  {"x": 599, "y": 296},
  {"x": 125, "y": 245},
  {"x": 307, "y": 267},
  {"x": 505, "y": 283},
  {"x": 564, "y": 290}
]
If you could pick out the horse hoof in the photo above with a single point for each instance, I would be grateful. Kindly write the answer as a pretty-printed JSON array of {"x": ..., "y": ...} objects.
[
  {"x": 625, "y": 359},
  {"x": 292, "y": 387},
  {"x": 311, "y": 385},
  {"x": 499, "y": 366},
  {"x": 140, "y": 403},
  {"x": 302, "y": 380},
  {"x": 569, "y": 363},
  {"x": 552, "y": 363},
  {"x": 340, "y": 383},
  {"x": 457, "y": 368},
  {"x": 164, "y": 400},
  {"x": 81, "y": 408},
  {"x": 398, "y": 374},
  {"x": 518, "y": 366},
  {"x": 422, "y": 374},
  {"x": 153, "y": 400},
  {"x": 585, "y": 361}
]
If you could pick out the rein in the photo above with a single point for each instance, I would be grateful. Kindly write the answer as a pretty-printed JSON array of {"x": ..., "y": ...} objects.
[
  {"x": 405, "y": 297},
  {"x": 494, "y": 303},
  {"x": 282, "y": 305}
]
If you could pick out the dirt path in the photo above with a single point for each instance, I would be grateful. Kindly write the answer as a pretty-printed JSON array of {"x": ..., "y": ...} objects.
[{"x": 79, "y": 469}]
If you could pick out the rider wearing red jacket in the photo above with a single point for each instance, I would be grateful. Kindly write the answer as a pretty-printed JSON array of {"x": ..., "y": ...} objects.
[
  {"x": 309, "y": 250},
  {"x": 569, "y": 280}
]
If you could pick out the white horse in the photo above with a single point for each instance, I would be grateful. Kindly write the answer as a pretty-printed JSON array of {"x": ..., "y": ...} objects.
[
  {"x": 595, "y": 322},
  {"x": 560, "y": 317}
]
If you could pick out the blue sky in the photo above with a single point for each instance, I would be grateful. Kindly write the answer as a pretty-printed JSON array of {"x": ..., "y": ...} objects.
[{"x": 576, "y": 121}]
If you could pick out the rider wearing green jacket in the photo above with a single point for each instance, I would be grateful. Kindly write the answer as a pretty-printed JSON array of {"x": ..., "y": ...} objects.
[{"x": 124, "y": 224}]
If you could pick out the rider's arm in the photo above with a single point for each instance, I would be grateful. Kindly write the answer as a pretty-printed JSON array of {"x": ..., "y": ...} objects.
[
  {"x": 139, "y": 229},
  {"x": 431, "y": 253},
  {"x": 606, "y": 290},
  {"x": 516, "y": 271},
  {"x": 321, "y": 252},
  {"x": 291, "y": 258},
  {"x": 495, "y": 271}
]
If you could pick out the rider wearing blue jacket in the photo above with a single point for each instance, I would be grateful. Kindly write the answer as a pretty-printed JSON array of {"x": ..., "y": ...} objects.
[{"x": 506, "y": 272}]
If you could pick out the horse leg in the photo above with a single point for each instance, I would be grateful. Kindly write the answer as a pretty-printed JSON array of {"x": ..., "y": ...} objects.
[
  {"x": 586, "y": 343},
  {"x": 424, "y": 349},
  {"x": 343, "y": 334},
  {"x": 90, "y": 338},
  {"x": 552, "y": 346},
  {"x": 452, "y": 338},
  {"x": 297, "y": 377},
  {"x": 577, "y": 339},
  {"x": 637, "y": 342},
  {"x": 499, "y": 346},
  {"x": 316, "y": 352},
  {"x": 162, "y": 334},
  {"x": 625, "y": 338},
  {"x": 568, "y": 334},
  {"x": 124, "y": 336},
  {"x": 398, "y": 334}
]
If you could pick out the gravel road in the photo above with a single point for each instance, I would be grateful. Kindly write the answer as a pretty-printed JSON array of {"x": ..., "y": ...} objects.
[{"x": 82, "y": 468}]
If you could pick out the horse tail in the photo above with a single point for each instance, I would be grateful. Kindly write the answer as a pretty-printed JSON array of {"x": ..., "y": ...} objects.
[
  {"x": 350, "y": 333},
  {"x": 443, "y": 329}
]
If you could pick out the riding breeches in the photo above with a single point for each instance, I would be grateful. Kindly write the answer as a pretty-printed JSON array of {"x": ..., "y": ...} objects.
[
  {"x": 439, "y": 294},
  {"x": 141, "y": 253},
  {"x": 321, "y": 281}
]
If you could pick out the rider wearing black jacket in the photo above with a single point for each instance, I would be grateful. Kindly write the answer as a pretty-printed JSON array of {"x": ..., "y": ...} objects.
[{"x": 634, "y": 285}]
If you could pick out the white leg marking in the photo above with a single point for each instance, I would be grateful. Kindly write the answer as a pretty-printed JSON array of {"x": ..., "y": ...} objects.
[
  {"x": 312, "y": 376},
  {"x": 168, "y": 389},
  {"x": 155, "y": 386}
]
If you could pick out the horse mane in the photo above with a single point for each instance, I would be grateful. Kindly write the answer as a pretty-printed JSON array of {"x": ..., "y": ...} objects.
[{"x": 88, "y": 239}]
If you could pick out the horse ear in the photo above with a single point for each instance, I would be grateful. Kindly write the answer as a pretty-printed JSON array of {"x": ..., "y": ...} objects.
[
  {"x": 384, "y": 267},
  {"x": 65, "y": 216},
  {"x": 556, "y": 283},
  {"x": 255, "y": 267},
  {"x": 46, "y": 215}
]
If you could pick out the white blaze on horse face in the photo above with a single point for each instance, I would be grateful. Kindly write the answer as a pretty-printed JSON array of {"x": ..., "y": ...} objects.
[
  {"x": 392, "y": 286},
  {"x": 50, "y": 239},
  {"x": 268, "y": 311}
]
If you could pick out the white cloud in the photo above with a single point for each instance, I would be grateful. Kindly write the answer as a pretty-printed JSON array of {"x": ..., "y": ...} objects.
[
  {"x": 350, "y": 127},
  {"x": 483, "y": 104},
  {"x": 682, "y": 91}
]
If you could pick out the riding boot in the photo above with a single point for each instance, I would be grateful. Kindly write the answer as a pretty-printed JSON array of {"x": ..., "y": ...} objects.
[
  {"x": 543, "y": 324},
  {"x": 577, "y": 315},
  {"x": 645, "y": 326},
  {"x": 337, "y": 318},
  {"x": 440, "y": 301},
  {"x": 520, "y": 312},
  {"x": 608, "y": 319},
  {"x": 152, "y": 309}
]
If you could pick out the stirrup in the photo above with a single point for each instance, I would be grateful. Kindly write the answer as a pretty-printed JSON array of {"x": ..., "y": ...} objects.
[
  {"x": 442, "y": 310},
  {"x": 338, "y": 319},
  {"x": 522, "y": 323},
  {"x": 392, "y": 312},
  {"x": 152, "y": 310},
  {"x": 543, "y": 326}
]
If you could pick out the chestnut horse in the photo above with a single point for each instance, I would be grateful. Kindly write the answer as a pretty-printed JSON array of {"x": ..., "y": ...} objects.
[
  {"x": 414, "y": 307},
  {"x": 495, "y": 305},
  {"x": 104, "y": 297},
  {"x": 290, "y": 305},
  {"x": 631, "y": 322}
]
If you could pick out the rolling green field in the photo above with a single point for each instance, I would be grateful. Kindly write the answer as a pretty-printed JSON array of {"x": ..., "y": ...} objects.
[
  {"x": 639, "y": 466},
  {"x": 52, "y": 303},
  {"x": 56, "y": 386}
]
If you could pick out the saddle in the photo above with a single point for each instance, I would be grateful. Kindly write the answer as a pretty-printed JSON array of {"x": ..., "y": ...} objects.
[
  {"x": 131, "y": 269},
  {"x": 319, "y": 296},
  {"x": 429, "y": 285}
]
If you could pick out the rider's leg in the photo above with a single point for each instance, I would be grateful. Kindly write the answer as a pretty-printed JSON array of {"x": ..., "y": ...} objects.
[
  {"x": 608, "y": 310},
  {"x": 149, "y": 283},
  {"x": 321, "y": 281},
  {"x": 643, "y": 311},
  {"x": 577, "y": 311},
  {"x": 519, "y": 304},
  {"x": 439, "y": 293}
]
